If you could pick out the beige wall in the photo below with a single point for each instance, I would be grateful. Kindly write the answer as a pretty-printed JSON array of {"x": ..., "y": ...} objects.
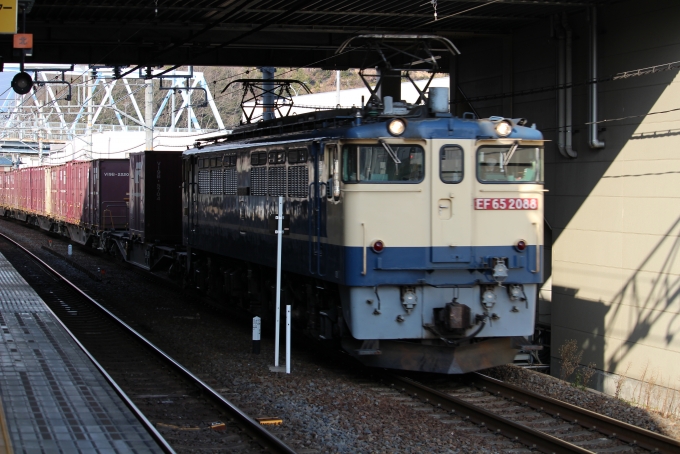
[
  {"x": 616, "y": 212},
  {"x": 613, "y": 214}
]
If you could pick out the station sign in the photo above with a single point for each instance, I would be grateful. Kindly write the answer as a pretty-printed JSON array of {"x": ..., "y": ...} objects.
[{"x": 8, "y": 16}]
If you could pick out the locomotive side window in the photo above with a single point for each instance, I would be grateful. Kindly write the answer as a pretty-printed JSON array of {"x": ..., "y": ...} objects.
[
  {"x": 510, "y": 164},
  {"x": 451, "y": 164},
  {"x": 296, "y": 155},
  {"x": 374, "y": 164},
  {"x": 258, "y": 158}
]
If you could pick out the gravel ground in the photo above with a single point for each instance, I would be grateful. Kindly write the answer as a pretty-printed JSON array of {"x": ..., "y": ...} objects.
[
  {"x": 590, "y": 399},
  {"x": 327, "y": 406}
]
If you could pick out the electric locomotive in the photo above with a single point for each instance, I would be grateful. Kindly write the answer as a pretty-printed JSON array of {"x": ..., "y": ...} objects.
[{"x": 412, "y": 236}]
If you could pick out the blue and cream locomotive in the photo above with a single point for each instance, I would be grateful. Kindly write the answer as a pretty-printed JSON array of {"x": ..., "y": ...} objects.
[{"x": 413, "y": 236}]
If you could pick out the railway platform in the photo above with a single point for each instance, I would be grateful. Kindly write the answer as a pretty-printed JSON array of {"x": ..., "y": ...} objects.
[{"x": 53, "y": 398}]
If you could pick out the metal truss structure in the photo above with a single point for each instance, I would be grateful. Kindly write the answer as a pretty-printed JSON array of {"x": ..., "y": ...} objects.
[
  {"x": 71, "y": 103},
  {"x": 266, "y": 95}
]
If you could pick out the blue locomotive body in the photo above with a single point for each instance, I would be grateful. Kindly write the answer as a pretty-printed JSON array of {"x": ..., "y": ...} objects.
[{"x": 415, "y": 238}]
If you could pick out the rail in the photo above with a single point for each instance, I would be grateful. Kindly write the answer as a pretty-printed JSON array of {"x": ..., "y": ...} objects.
[
  {"x": 502, "y": 426},
  {"x": 601, "y": 423},
  {"x": 252, "y": 427}
]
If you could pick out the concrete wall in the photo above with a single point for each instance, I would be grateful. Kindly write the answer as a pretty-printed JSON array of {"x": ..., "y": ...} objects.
[{"x": 614, "y": 213}]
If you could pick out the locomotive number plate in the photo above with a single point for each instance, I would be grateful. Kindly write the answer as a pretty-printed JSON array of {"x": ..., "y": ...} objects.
[{"x": 506, "y": 204}]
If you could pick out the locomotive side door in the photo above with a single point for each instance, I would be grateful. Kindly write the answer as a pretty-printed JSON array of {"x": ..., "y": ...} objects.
[{"x": 451, "y": 207}]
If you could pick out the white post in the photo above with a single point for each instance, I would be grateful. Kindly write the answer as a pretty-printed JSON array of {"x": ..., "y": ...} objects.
[
  {"x": 256, "y": 335},
  {"x": 288, "y": 361},
  {"x": 337, "y": 88},
  {"x": 279, "y": 236},
  {"x": 148, "y": 113},
  {"x": 90, "y": 112}
]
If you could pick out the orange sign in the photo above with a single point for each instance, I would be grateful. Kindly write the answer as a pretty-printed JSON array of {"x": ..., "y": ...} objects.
[{"x": 23, "y": 41}]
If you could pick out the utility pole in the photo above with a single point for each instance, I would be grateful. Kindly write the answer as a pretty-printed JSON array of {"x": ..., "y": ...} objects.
[
  {"x": 268, "y": 98},
  {"x": 90, "y": 111},
  {"x": 148, "y": 113}
]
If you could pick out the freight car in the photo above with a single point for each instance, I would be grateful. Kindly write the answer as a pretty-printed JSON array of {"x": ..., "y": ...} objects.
[
  {"x": 413, "y": 236},
  {"x": 107, "y": 204},
  {"x": 78, "y": 199}
]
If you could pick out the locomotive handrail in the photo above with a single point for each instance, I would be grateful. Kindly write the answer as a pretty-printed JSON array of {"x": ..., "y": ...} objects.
[
  {"x": 384, "y": 188},
  {"x": 363, "y": 245},
  {"x": 538, "y": 249},
  {"x": 533, "y": 191}
]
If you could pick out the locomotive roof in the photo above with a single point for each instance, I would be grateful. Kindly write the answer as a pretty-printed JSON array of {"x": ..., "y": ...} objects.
[
  {"x": 443, "y": 126},
  {"x": 234, "y": 146}
]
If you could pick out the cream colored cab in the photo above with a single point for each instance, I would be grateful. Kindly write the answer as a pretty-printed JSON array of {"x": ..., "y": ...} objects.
[
  {"x": 451, "y": 171},
  {"x": 507, "y": 202}
]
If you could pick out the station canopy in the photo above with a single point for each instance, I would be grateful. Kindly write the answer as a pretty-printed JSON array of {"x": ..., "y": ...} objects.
[{"x": 255, "y": 32}]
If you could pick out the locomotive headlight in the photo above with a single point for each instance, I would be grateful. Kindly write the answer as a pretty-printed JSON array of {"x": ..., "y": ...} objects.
[
  {"x": 396, "y": 126},
  {"x": 515, "y": 292},
  {"x": 488, "y": 298},
  {"x": 503, "y": 128},
  {"x": 500, "y": 271}
]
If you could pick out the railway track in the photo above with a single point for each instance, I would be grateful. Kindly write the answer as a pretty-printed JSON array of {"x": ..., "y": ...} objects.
[
  {"x": 166, "y": 397},
  {"x": 538, "y": 422}
]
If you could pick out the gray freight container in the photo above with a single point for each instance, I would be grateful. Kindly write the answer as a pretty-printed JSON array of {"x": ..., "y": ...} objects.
[{"x": 156, "y": 196}]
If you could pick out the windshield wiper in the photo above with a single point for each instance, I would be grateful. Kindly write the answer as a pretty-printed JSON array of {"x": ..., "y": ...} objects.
[
  {"x": 511, "y": 152},
  {"x": 390, "y": 151}
]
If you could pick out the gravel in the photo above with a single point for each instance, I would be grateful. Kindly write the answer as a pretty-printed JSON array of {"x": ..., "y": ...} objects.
[
  {"x": 587, "y": 398},
  {"x": 328, "y": 405}
]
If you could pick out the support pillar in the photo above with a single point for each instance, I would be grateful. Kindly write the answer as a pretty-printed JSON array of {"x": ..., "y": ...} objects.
[
  {"x": 456, "y": 108},
  {"x": 390, "y": 84},
  {"x": 268, "y": 98},
  {"x": 148, "y": 113}
]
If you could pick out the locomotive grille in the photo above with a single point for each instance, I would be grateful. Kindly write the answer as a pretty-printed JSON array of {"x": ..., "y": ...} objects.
[
  {"x": 277, "y": 181},
  {"x": 258, "y": 181},
  {"x": 298, "y": 181},
  {"x": 230, "y": 181},
  {"x": 204, "y": 181},
  {"x": 216, "y": 181}
]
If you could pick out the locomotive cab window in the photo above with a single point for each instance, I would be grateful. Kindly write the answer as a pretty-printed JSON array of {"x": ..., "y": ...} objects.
[
  {"x": 382, "y": 163},
  {"x": 510, "y": 164},
  {"x": 451, "y": 164}
]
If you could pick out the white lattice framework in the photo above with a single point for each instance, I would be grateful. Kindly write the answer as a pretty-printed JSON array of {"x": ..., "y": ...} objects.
[{"x": 46, "y": 116}]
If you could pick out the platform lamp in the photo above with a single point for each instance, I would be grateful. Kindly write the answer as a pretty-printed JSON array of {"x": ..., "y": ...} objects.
[{"x": 22, "y": 83}]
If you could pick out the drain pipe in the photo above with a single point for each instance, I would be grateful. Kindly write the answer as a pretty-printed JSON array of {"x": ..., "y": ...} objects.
[
  {"x": 592, "y": 117},
  {"x": 568, "y": 120},
  {"x": 560, "y": 84},
  {"x": 564, "y": 92}
]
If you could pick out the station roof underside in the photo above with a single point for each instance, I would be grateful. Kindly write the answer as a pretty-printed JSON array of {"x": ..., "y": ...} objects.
[{"x": 255, "y": 32}]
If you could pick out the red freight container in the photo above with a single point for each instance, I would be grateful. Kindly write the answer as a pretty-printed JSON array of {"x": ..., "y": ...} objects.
[
  {"x": 37, "y": 190},
  {"x": 47, "y": 193},
  {"x": 109, "y": 208},
  {"x": 13, "y": 193},
  {"x": 58, "y": 189},
  {"x": 93, "y": 193},
  {"x": 4, "y": 189},
  {"x": 77, "y": 176},
  {"x": 23, "y": 188},
  {"x": 156, "y": 195}
]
